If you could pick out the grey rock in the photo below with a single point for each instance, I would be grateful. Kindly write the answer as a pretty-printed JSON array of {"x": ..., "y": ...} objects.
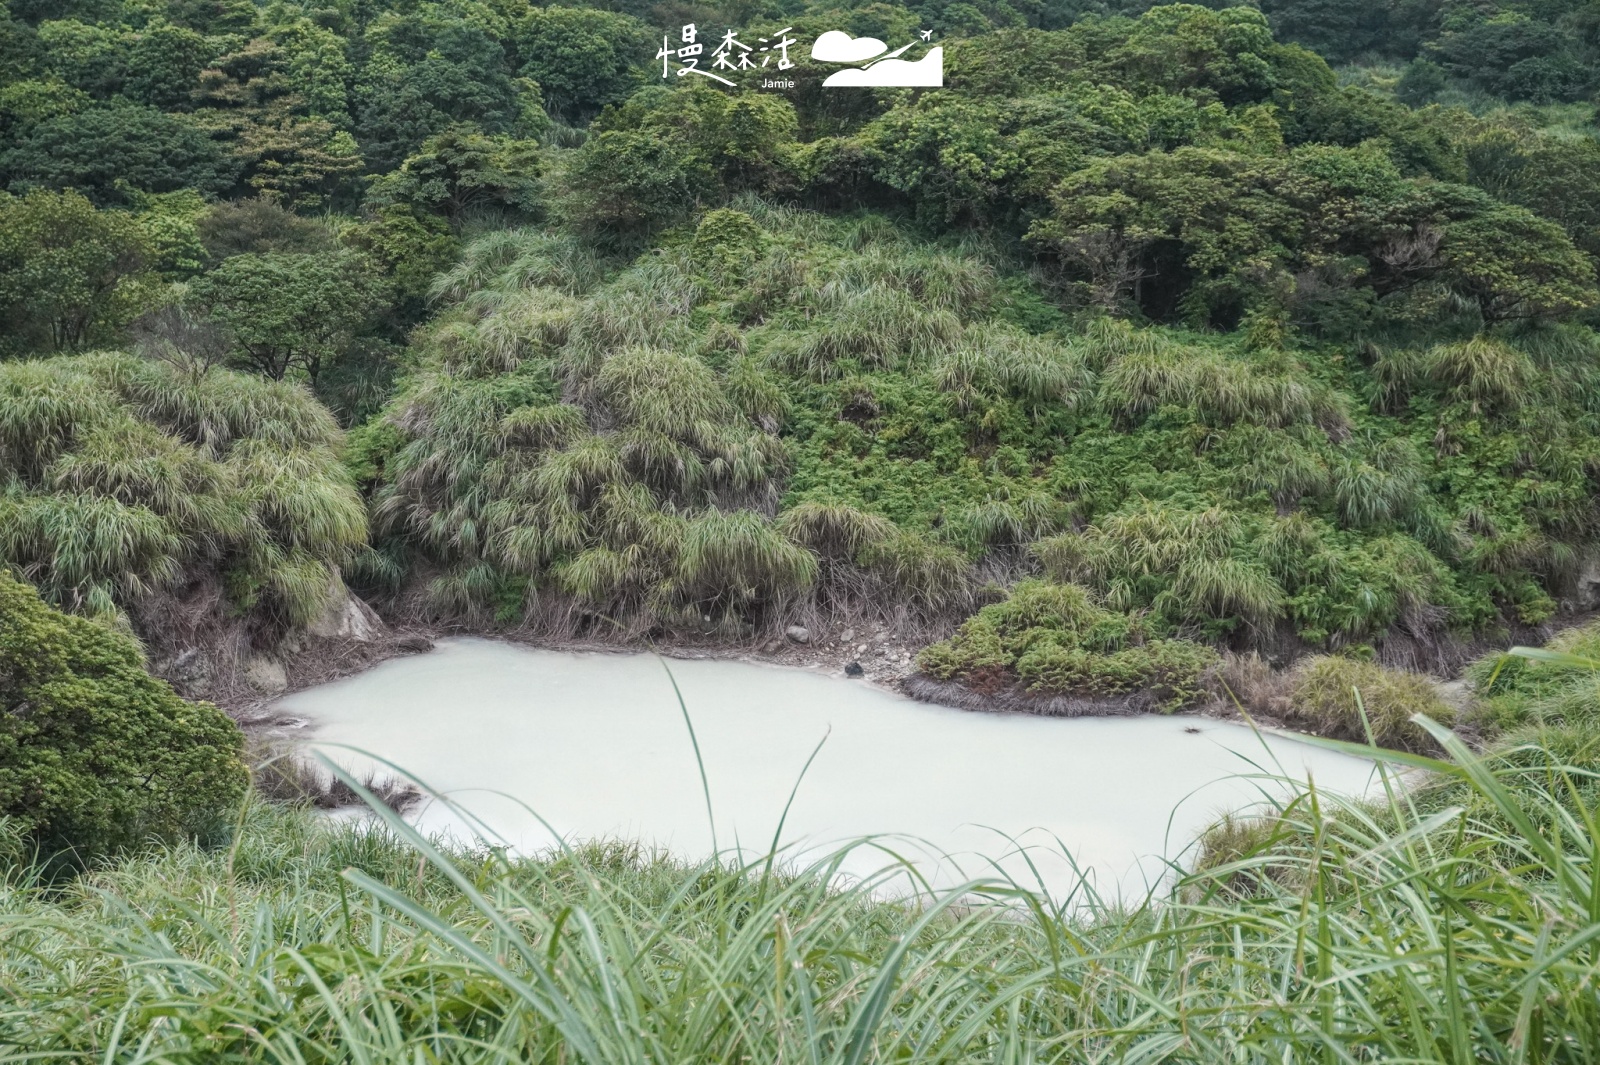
[
  {"x": 1586, "y": 589},
  {"x": 266, "y": 674},
  {"x": 346, "y": 617},
  {"x": 798, "y": 633},
  {"x": 853, "y": 669},
  {"x": 189, "y": 671},
  {"x": 1456, "y": 694}
]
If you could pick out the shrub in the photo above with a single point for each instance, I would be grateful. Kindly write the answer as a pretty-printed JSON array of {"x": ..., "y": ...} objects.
[
  {"x": 128, "y": 476},
  {"x": 1054, "y": 639},
  {"x": 1324, "y": 699},
  {"x": 95, "y": 754}
]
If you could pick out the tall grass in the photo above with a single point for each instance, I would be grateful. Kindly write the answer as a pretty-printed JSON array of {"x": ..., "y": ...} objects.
[
  {"x": 1003, "y": 360},
  {"x": 1418, "y": 930},
  {"x": 125, "y": 478},
  {"x": 1191, "y": 566},
  {"x": 1223, "y": 388}
]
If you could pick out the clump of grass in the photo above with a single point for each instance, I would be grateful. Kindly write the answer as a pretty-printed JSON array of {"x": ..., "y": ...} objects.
[
  {"x": 1189, "y": 566},
  {"x": 835, "y": 530},
  {"x": 1484, "y": 373},
  {"x": 152, "y": 474},
  {"x": 1001, "y": 360},
  {"x": 736, "y": 562},
  {"x": 874, "y": 326},
  {"x": 1285, "y": 466},
  {"x": 1350, "y": 699},
  {"x": 560, "y": 487},
  {"x": 1222, "y": 387},
  {"x": 1055, "y": 639},
  {"x": 961, "y": 285},
  {"x": 1556, "y": 687},
  {"x": 931, "y": 580},
  {"x": 1008, "y": 523},
  {"x": 510, "y": 259},
  {"x": 1384, "y": 486}
]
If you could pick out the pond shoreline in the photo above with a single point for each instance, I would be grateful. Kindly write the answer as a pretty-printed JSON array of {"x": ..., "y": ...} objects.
[
  {"x": 885, "y": 663},
  {"x": 532, "y": 744}
]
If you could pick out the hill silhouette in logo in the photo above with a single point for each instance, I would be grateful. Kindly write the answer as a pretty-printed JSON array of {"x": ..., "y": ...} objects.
[
  {"x": 836, "y": 46},
  {"x": 924, "y": 73}
]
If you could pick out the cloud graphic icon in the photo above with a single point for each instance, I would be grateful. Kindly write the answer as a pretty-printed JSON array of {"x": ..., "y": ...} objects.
[
  {"x": 925, "y": 73},
  {"x": 836, "y": 46}
]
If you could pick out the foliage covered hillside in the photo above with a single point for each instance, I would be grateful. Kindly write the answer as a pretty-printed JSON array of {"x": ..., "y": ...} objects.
[
  {"x": 1147, "y": 315},
  {"x": 776, "y": 409},
  {"x": 135, "y": 485}
]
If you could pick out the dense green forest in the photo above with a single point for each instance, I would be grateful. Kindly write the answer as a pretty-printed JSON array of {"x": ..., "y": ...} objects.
[{"x": 465, "y": 304}]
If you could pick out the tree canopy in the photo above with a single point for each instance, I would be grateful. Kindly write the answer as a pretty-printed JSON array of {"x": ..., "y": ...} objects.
[{"x": 1136, "y": 277}]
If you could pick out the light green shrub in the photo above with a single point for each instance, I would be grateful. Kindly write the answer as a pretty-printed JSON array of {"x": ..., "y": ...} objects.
[
  {"x": 1325, "y": 700},
  {"x": 1054, "y": 639}
]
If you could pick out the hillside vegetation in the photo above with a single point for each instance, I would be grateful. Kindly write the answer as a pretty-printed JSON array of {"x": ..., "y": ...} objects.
[
  {"x": 1149, "y": 308},
  {"x": 1148, "y": 337}
]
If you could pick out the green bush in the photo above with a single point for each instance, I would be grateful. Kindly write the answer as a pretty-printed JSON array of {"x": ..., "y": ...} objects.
[
  {"x": 1325, "y": 701},
  {"x": 1054, "y": 639},
  {"x": 124, "y": 477},
  {"x": 1514, "y": 691},
  {"x": 95, "y": 754}
]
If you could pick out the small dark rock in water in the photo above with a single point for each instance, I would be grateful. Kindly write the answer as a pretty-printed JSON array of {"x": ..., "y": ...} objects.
[
  {"x": 853, "y": 670},
  {"x": 414, "y": 642},
  {"x": 1191, "y": 730}
]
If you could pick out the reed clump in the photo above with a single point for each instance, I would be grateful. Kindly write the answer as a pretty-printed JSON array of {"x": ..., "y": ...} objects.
[
  {"x": 1351, "y": 699},
  {"x": 129, "y": 479}
]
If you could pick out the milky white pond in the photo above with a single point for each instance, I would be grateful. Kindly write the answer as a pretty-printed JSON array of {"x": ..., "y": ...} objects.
[{"x": 595, "y": 745}]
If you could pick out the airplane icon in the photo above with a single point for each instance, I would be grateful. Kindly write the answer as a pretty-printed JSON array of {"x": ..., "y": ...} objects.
[{"x": 927, "y": 35}]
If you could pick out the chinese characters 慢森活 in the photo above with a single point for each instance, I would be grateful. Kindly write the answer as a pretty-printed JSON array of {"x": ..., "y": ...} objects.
[{"x": 731, "y": 54}]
